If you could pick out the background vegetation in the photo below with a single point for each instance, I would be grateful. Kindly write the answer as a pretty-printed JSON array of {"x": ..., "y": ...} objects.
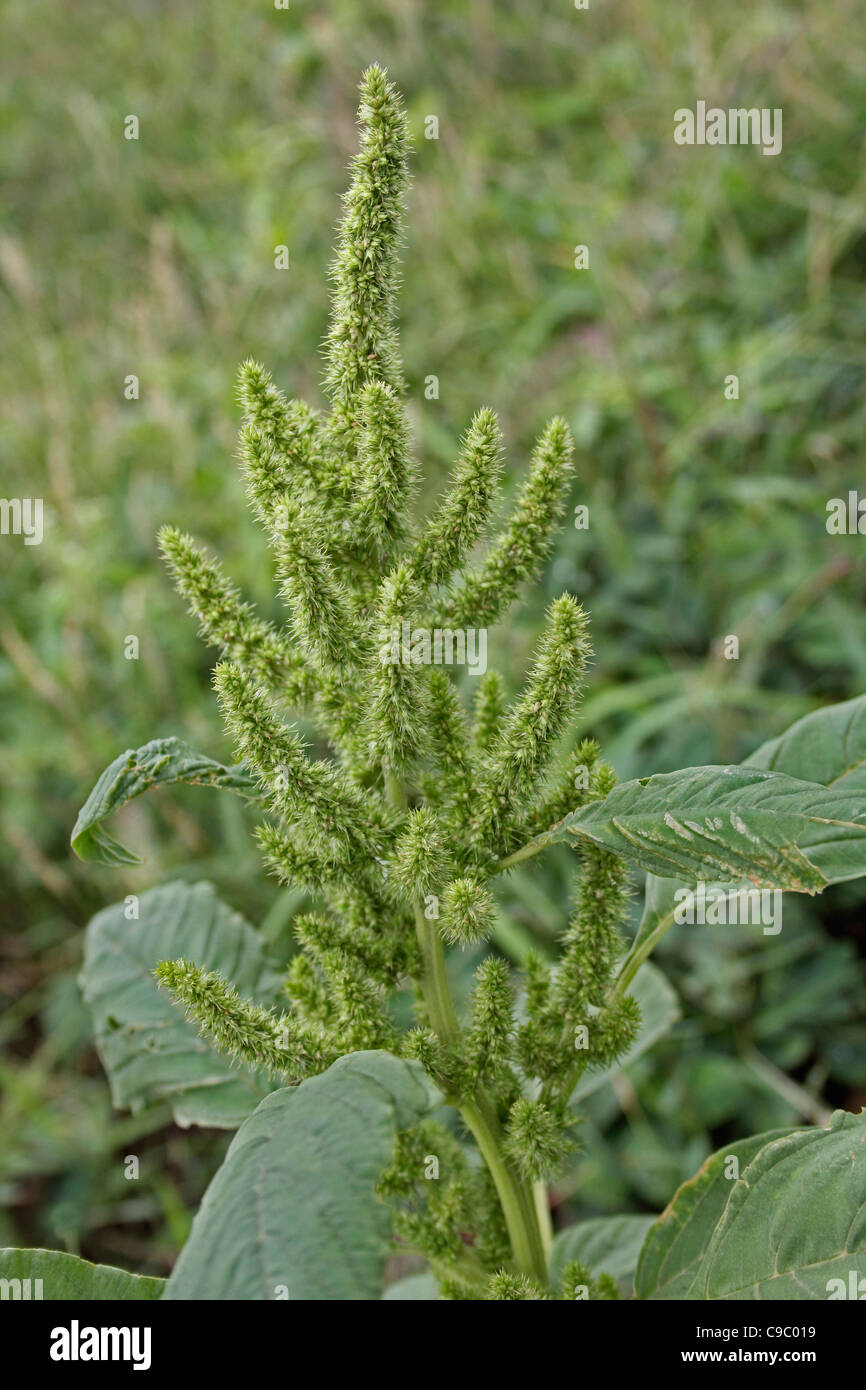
[{"x": 156, "y": 258}]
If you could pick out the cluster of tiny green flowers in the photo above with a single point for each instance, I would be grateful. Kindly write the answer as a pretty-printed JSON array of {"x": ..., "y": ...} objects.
[
  {"x": 404, "y": 805},
  {"x": 243, "y": 1030},
  {"x": 445, "y": 1208},
  {"x": 577, "y": 1282}
]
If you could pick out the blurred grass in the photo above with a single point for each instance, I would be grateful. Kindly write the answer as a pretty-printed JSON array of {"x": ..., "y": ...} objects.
[{"x": 155, "y": 258}]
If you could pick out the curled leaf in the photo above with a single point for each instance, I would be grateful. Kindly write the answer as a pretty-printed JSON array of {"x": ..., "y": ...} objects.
[{"x": 157, "y": 763}]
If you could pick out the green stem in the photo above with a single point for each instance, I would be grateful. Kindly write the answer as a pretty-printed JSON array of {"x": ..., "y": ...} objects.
[
  {"x": 527, "y": 851},
  {"x": 518, "y": 1208},
  {"x": 536, "y": 846},
  {"x": 434, "y": 980},
  {"x": 639, "y": 953},
  {"x": 516, "y": 1198},
  {"x": 542, "y": 1210}
]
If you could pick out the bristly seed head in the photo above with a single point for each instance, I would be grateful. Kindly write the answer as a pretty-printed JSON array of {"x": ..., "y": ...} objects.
[{"x": 394, "y": 820}]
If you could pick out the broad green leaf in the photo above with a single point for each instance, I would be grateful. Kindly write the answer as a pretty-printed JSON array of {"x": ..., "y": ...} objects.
[
  {"x": 725, "y": 823},
  {"x": 157, "y": 763},
  {"x": 659, "y": 1011},
  {"x": 292, "y": 1212},
  {"x": 414, "y": 1288},
  {"x": 675, "y": 1246},
  {"x": 55, "y": 1276},
  {"x": 827, "y": 747},
  {"x": 606, "y": 1244},
  {"x": 796, "y": 1221},
  {"x": 150, "y": 1051},
  {"x": 792, "y": 1222}
]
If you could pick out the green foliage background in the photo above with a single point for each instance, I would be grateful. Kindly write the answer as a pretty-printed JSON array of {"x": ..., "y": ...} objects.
[{"x": 155, "y": 257}]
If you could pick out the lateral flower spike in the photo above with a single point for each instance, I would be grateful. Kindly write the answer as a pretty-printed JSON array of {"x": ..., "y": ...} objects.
[
  {"x": 504, "y": 1287},
  {"x": 536, "y": 1138},
  {"x": 267, "y": 475},
  {"x": 490, "y": 1037},
  {"x": 318, "y": 604},
  {"x": 592, "y": 943},
  {"x": 327, "y": 938},
  {"x": 424, "y": 1046},
  {"x": 247, "y": 1032},
  {"x": 282, "y": 445},
  {"x": 522, "y": 548},
  {"x": 313, "y": 794},
  {"x": 452, "y": 786},
  {"x": 265, "y": 406},
  {"x": 522, "y": 747},
  {"x": 387, "y": 473},
  {"x": 230, "y": 623},
  {"x": 293, "y": 864},
  {"x": 273, "y": 472},
  {"x": 420, "y": 862},
  {"x": 488, "y": 709},
  {"x": 468, "y": 911},
  {"x": 575, "y": 787},
  {"x": 463, "y": 513},
  {"x": 397, "y": 716},
  {"x": 359, "y": 1018}
]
